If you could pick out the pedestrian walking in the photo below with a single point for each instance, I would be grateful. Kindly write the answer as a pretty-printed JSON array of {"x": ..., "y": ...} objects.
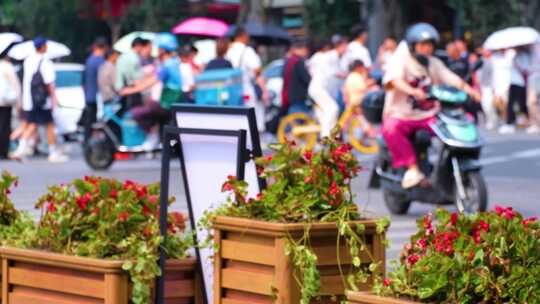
[
  {"x": 91, "y": 68},
  {"x": 456, "y": 63},
  {"x": 222, "y": 46},
  {"x": 487, "y": 92},
  {"x": 385, "y": 52},
  {"x": 517, "y": 95},
  {"x": 533, "y": 91},
  {"x": 39, "y": 99},
  {"x": 187, "y": 73},
  {"x": 336, "y": 71},
  {"x": 107, "y": 76},
  {"x": 243, "y": 57},
  {"x": 296, "y": 79},
  {"x": 357, "y": 50},
  {"x": 10, "y": 95}
]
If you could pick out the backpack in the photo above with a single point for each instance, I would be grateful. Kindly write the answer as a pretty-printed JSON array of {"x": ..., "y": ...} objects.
[{"x": 38, "y": 89}]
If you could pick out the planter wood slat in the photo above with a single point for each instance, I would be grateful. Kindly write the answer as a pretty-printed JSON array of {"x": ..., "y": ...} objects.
[
  {"x": 251, "y": 266},
  {"x": 32, "y": 276},
  {"x": 369, "y": 298}
]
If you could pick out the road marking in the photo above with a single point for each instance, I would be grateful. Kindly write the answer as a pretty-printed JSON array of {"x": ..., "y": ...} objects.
[{"x": 531, "y": 153}]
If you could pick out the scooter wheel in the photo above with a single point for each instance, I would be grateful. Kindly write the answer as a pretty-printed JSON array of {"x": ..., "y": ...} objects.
[
  {"x": 476, "y": 191},
  {"x": 396, "y": 203},
  {"x": 99, "y": 153}
]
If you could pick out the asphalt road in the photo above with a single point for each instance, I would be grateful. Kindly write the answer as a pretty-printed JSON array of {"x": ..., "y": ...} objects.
[{"x": 512, "y": 172}]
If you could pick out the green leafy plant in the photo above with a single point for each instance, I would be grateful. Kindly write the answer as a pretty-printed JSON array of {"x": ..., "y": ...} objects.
[
  {"x": 491, "y": 257},
  {"x": 105, "y": 218},
  {"x": 305, "y": 187}
]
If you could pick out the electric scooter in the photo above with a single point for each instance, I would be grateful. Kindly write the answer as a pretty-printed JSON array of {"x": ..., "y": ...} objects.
[
  {"x": 116, "y": 133},
  {"x": 455, "y": 176}
]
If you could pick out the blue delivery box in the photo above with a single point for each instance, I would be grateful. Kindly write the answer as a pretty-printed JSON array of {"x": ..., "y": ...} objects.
[{"x": 219, "y": 87}]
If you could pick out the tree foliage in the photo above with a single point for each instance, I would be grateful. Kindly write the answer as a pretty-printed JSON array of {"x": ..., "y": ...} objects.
[
  {"x": 483, "y": 17},
  {"x": 76, "y": 24},
  {"x": 325, "y": 18}
]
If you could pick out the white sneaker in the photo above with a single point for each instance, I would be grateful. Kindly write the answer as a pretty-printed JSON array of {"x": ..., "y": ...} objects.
[
  {"x": 507, "y": 129},
  {"x": 411, "y": 178},
  {"x": 23, "y": 150},
  {"x": 57, "y": 157},
  {"x": 151, "y": 142},
  {"x": 534, "y": 129}
]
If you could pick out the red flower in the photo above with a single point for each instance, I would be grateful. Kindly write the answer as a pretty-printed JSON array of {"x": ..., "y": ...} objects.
[
  {"x": 114, "y": 194},
  {"x": 422, "y": 244},
  {"x": 308, "y": 180},
  {"x": 231, "y": 177},
  {"x": 268, "y": 158},
  {"x": 51, "y": 208},
  {"x": 334, "y": 189},
  {"x": 123, "y": 216},
  {"x": 482, "y": 225},
  {"x": 413, "y": 259},
  {"x": 341, "y": 150},
  {"x": 260, "y": 196},
  {"x": 428, "y": 225},
  {"x": 95, "y": 211},
  {"x": 153, "y": 199},
  {"x": 308, "y": 156},
  {"x": 509, "y": 213},
  {"x": 146, "y": 210},
  {"x": 227, "y": 187},
  {"x": 526, "y": 222},
  {"x": 387, "y": 282},
  {"x": 476, "y": 236},
  {"x": 454, "y": 219},
  {"x": 129, "y": 184},
  {"x": 82, "y": 201},
  {"x": 141, "y": 192},
  {"x": 499, "y": 210}
]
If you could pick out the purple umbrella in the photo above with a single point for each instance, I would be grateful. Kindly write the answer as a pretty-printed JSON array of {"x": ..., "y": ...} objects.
[{"x": 201, "y": 26}]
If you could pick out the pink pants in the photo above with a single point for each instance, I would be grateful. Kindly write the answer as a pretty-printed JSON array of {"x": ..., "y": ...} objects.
[{"x": 398, "y": 136}]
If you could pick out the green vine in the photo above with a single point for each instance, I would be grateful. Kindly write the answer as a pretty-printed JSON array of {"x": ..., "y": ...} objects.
[
  {"x": 100, "y": 218},
  {"x": 306, "y": 187}
]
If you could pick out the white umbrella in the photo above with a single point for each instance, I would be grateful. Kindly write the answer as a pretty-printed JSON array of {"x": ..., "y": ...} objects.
[
  {"x": 25, "y": 49},
  {"x": 6, "y": 39},
  {"x": 511, "y": 37},
  {"x": 124, "y": 44}
]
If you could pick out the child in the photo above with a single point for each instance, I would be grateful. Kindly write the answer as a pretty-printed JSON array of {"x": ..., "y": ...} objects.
[{"x": 356, "y": 86}]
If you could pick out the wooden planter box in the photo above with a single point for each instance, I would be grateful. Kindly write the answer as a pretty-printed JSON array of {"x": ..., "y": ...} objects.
[
  {"x": 368, "y": 298},
  {"x": 251, "y": 265},
  {"x": 32, "y": 276}
]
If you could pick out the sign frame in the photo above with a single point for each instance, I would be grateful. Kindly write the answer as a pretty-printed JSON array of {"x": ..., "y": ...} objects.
[{"x": 171, "y": 134}]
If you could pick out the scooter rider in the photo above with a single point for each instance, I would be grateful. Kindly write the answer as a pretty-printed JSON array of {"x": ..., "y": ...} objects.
[
  {"x": 152, "y": 113},
  {"x": 409, "y": 74}
]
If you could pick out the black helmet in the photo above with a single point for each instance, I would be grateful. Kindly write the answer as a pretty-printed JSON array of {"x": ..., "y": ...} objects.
[{"x": 421, "y": 32}]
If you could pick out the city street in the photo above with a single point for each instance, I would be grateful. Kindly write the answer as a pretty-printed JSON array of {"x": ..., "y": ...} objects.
[{"x": 512, "y": 171}]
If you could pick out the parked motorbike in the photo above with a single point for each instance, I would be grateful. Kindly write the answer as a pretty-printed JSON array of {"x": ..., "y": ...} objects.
[
  {"x": 116, "y": 133},
  {"x": 455, "y": 176}
]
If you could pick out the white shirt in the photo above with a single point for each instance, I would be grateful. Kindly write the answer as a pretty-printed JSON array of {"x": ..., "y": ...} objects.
[
  {"x": 355, "y": 51},
  {"x": 188, "y": 79},
  {"x": 334, "y": 83},
  {"x": 520, "y": 65},
  {"x": 318, "y": 68},
  {"x": 502, "y": 63},
  {"x": 245, "y": 58},
  {"x": 30, "y": 67}
]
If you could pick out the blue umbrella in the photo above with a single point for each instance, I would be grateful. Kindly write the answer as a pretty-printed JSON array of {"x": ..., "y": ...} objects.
[{"x": 263, "y": 33}]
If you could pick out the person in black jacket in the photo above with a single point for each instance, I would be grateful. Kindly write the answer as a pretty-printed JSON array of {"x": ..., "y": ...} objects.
[{"x": 298, "y": 77}]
